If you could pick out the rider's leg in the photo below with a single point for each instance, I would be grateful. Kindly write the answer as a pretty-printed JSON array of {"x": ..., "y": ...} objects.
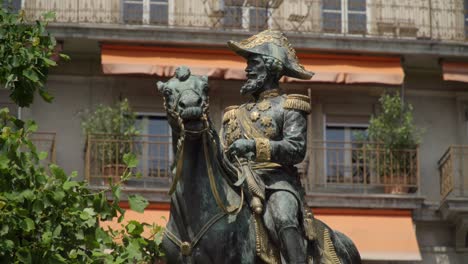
[{"x": 283, "y": 207}]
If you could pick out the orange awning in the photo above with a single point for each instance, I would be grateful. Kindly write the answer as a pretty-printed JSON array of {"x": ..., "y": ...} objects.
[
  {"x": 378, "y": 235},
  {"x": 455, "y": 71},
  {"x": 224, "y": 64}
]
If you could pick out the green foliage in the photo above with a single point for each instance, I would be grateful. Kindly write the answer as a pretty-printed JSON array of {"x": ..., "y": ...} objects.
[
  {"x": 47, "y": 217},
  {"x": 109, "y": 123},
  {"x": 25, "y": 56},
  {"x": 118, "y": 119},
  {"x": 394, "y": 126}
]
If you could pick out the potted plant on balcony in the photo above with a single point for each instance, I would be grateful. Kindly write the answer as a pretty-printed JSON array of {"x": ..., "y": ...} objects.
[
  {"x": 394, "y": 156},
  {"x": 109, "y": 131}
]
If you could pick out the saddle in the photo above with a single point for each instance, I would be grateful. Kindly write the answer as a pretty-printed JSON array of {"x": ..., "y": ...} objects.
[{"x": 315, "y": 231}]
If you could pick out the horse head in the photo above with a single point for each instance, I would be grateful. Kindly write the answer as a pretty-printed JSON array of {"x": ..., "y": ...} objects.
[{"x": 186, "y": 101}]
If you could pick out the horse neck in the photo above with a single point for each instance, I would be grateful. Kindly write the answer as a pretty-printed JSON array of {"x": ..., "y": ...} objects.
[{"x": 193, "y": 191}]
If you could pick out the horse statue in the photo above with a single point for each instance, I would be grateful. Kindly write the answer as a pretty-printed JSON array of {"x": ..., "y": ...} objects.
[{"x": 209, "y": 221}]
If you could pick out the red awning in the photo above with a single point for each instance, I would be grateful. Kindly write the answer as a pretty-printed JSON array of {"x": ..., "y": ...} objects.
[
  {"x": 224, "y": 64},
  {"x": 378, "y": 234},
  {"x": 455, "y": 71}
]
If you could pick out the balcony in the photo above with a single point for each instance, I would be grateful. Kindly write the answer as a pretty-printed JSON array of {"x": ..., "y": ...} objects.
[
  {"x": 414, "y": 20},
  {"x": 104, "y": 160},
  {"x": 453, "y": 167},
  {"x": 45, "y": 142},
  {"x": 362, "y": 174}
]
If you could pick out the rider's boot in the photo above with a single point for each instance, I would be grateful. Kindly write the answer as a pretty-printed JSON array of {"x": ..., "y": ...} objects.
[{"x": 292, "y": 245}]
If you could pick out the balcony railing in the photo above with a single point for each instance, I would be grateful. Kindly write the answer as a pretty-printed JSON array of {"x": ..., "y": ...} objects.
[
  {"x": 453, "y": 168},
  {"x": 45, "y": 141},
  {"x": 406, "y": 19},
  {"x": 337, "y": 166},
  {"x": 104, "y": 160}
]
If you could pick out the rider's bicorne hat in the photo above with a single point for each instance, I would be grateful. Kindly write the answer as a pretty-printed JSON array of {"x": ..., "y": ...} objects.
[{"x": 274, "y": 44}]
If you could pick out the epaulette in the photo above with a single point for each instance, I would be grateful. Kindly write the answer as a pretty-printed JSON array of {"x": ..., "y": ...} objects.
[
  {"x": 230, "y": 113},
  {"x": 298, "y": 102}
]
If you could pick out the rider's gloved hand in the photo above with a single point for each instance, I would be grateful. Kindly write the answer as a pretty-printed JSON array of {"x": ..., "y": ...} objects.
[{"x": 242, "y": 148}]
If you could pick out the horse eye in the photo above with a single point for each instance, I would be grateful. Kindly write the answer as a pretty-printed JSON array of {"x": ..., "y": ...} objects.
[{"x": 167, "y": 92}]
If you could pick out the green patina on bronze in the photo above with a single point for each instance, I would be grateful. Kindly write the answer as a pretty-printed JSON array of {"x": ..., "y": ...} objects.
[{"x": 252, "y": 160}]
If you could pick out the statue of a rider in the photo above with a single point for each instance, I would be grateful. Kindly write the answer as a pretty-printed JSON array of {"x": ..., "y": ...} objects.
[{"x": 269, "y": 133}]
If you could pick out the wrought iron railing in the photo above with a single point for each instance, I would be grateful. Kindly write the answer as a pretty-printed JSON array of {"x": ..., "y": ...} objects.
[
  {"x": 453, "y": 168},
  {"x": 336, "y": 166},
  {"x": 406, "y": 19},
  {"x": 45, "y": 142},
  {"x": 104, "y": 160}
]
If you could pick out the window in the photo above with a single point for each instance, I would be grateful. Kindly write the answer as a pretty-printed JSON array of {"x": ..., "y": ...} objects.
[
  {"x": 13, "y": 5},
  {"x": 154, "y": 150},
  {"x": 239, "y": 16},
  {"x": 343, "y": 161},
  {"x": 344, "y": 16},
  {"x": 155, "y": 12},
  {"x": 466, "y": 19}
]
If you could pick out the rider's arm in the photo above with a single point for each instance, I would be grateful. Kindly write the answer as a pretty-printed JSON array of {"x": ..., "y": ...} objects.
[{"x": 291, "y": 149}]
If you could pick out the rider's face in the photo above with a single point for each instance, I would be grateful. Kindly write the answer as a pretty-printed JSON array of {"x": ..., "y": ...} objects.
[{"x": 256, "y": 72}]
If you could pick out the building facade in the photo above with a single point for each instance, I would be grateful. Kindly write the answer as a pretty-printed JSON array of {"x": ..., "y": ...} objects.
[{"x": 358, "y": 49}]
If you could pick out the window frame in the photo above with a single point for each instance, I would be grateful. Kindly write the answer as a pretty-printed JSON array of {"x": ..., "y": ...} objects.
[
  {"x": 146, "y": 11},
  {"x": 345, "y": 11},
  {"x": 347, "y": 152},
  {"x": 246, "y": 11},
  {"x": 21, "y": 4},
  {"x": 144, "y": 165}
]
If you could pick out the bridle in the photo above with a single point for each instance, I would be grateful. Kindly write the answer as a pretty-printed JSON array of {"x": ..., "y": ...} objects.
[
  {"x": 171, "y": 111},
  {"x": 187, "y": 246}
]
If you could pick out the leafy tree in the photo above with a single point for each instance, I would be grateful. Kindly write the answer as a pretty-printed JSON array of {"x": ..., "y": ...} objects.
[
  {"x": 45, "y": 215},
  {"x": 25, "y": 56}
]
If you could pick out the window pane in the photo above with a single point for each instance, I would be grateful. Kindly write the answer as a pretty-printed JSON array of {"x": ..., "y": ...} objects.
[
  {"x": 233, "y": 2},
  {"x": 258, "y": 19},
  {"x": 13, "y": 5},
  {"x": 233, "y": 17},
  {"x": 357, "y": 23},
  {"x": 133, "y": 11},
  {"x": 331, "y": 4},
  {"x": 159, "y": 14},
  {"x": 357, "y": 5},
  {"x": 332, "y": 22},
  {"x": 335, "y": 153}
]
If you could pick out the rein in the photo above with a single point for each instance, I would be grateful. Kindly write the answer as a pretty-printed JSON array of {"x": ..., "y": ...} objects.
[{"x": 187, "y": 246}]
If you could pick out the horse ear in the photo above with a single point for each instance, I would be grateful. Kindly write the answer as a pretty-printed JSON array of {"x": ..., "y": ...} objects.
[
  {"x": 204, "y": 78},
  {"x": 161, "y": 86}
]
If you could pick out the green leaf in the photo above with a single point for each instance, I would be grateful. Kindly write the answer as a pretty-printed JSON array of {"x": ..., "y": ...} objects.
[
  {"x": 137, "y": 203},
  {"x": 130, "y": 160},
  {"x": 70, "y": 184},
  {"x": 4, "y": 160},
  {"x": 24, "y": 255},
  {"x": 134, "y": 228},
  {"x": 57, "y": 231},
  {"x": 43, "y": 155},
  {"x": 49, "y": 62},
  {"x": 28, "y": 225},
  {"x": 31, "y": 75},
  {"x": 64, "y": 57},
  {"x": 46, "y": 96},
  {"x": 49, "y": 15}
]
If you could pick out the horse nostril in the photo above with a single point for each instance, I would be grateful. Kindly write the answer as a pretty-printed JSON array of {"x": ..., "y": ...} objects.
[
  {"x": 199, "y": 101},
  {"x": 181, "y": 104}
]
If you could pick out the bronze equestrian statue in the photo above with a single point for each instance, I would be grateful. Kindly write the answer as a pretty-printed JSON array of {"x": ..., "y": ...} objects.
[{"x": 237, "y": 197}]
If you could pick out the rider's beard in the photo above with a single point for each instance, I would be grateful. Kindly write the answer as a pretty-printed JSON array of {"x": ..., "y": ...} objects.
[{"x": 253, "y": 85}]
